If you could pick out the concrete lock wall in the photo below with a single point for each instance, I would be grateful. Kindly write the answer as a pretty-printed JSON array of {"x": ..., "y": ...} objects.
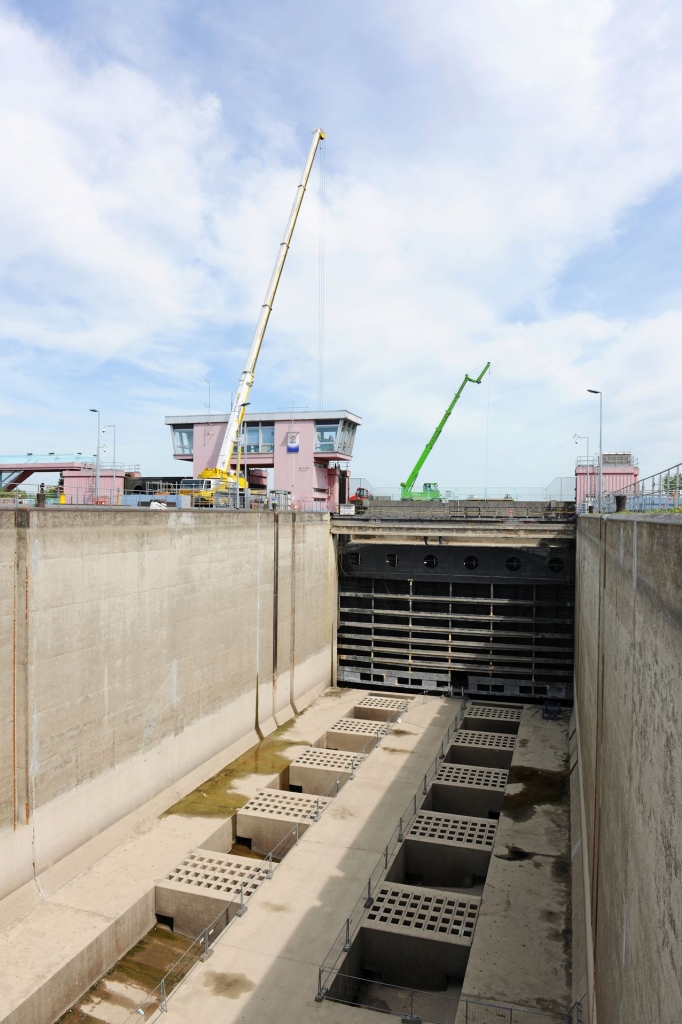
[
  {"x": 629, "y": 711},
  {"x": 134, "y": 646}
]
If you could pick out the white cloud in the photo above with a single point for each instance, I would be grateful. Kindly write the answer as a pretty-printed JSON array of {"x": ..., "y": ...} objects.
[{"x": 139, "y": 225}]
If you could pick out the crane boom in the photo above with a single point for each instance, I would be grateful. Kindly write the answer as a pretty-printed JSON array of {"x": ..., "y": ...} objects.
[
  {"x": 246, "y": 380},
  {"x": 406, "y": 488}
]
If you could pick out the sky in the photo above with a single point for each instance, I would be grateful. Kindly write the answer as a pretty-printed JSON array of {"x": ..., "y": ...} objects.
[{"x": 503, "y": 182}]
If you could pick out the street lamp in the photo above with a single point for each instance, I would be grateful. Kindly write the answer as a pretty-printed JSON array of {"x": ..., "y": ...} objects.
[
  {"x": 112, "y": 426},
  {"x": 97, "y": 463},
  {"x": 581, "y": 437},
  {"x": 593, "y": 391}
]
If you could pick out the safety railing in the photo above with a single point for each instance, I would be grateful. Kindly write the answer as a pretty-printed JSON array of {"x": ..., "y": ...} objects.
[
  {"x": 343, "y": 940},
  {"x": 417, "y": 1006},
  {"x": 661, "y": 492},
  {"x": 155, "y": 1002},
  {"x": 158, "y": 499}
]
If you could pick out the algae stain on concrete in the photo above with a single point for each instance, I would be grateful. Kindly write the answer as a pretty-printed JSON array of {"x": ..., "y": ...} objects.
[
  {"x": 129, "y": 981},
  {"x": 232, "y": 986},
  {"x": 219, "y": 796},
  {"x": 538, "y": 786}
]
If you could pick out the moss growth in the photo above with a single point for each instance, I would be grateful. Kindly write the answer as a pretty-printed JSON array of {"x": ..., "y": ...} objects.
[
  {"x": 219, "y": 797},
  {"x": 142, "y": 968}
]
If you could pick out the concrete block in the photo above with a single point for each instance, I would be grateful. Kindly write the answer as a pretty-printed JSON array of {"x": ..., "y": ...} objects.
[
  {"x": 379, "y": 709},
  {"x": 465, "y": 789},
  {"x": 484, "y": 749},
  {"x": 355, "y": 734},
  {"x": 317, "y": 770},
  {"x": 414, "y": 937},
  {"x": 269, "y": 818},
  {"x": 444, "y": 851},
  {"x": 206, "y": 883},
  {"x": 488, "y": 718}
]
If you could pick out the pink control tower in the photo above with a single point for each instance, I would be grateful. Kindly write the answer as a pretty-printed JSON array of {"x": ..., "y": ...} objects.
[{"x": 306, "y": 450}]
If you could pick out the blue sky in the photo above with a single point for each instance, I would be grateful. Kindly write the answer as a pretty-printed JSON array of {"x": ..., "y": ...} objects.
[{"x": 503, "y": 182}]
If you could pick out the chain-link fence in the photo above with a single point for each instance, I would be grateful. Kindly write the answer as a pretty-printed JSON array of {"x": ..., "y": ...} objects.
[
  {"x": 342, "y": 942},
  {"x": 155, "y": 1002},
  {"x": 417, "y": 1006}
]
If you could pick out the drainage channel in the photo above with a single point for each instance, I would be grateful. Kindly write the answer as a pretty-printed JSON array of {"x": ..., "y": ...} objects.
[
  {"x": 406, "y": 946},
  {"x": 210, "y": 889}
]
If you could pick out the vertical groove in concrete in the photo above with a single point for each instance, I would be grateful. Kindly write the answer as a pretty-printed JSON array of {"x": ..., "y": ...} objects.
[
  {"x": 275, "y": 606},
  {"x": 20, "y": 700},
  {"x": 292, "y": 646}
]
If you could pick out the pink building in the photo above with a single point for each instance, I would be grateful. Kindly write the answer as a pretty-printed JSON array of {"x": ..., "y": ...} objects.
[
  {"x": 80, "y": 487},
  {"x": 619, "y": 470},
  {"x": 307, "y": 451}
]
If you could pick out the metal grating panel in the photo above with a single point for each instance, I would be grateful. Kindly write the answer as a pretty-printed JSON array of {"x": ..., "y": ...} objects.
[
  {"x": 467, "y": 775},
  {"x": 278, "y": 804},
  {"x": 495, "y": 714},
  {"x": 452, "y": 916},
  {"x": 455, "y": 829},
  {"x": 475, "y": 738},
  {"x": 223, "y": 876},
  {"x": 317, "y": 757}
]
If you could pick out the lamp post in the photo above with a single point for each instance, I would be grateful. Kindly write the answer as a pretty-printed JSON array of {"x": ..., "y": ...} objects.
[
  {"x": 97, "y": 463},
  {"x": 581, "y": 437},
  {"x": 593, "y": 391},
  {"x": 112, "y": 426}
]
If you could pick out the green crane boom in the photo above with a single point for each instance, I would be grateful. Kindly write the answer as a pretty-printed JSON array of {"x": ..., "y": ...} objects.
[{"x": 430, "y": 492}]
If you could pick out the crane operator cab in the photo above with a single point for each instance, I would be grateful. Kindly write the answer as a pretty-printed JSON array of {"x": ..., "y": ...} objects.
[{"x": 209, "y": 492}]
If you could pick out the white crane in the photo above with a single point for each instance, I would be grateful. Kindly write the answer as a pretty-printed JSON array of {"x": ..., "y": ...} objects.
[{"x": 246, "y": 381}]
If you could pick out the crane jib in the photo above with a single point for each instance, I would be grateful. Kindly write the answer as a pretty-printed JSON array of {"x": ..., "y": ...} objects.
[
  {"x": 246, "y": 381},
  {"x": 432, "y": 491}
]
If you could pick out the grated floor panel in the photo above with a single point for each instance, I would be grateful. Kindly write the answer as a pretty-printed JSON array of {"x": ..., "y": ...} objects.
[{"x": 447, "y": 915}]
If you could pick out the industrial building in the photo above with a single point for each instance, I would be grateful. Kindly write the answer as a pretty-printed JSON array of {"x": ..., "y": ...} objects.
[{"x": 309, "y": 453}]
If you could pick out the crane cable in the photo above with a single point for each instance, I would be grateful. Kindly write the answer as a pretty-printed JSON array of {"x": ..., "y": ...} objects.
[
  {"x": 487, "y": 425},
  {"x": 320, "y": 296}
]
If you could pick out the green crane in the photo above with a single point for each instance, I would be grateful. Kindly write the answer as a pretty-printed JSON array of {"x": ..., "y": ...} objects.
[{"x": 430, "y": 492}]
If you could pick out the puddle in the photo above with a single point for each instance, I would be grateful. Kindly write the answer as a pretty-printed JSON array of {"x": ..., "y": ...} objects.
[
  {"x": 230, "y": 985},
  {"x": 219, "y": 796},
  {"x": 126, "y": 985}
]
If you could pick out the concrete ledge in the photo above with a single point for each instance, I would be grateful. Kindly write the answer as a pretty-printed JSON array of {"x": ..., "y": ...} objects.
[{"x": 112, "y": 940}]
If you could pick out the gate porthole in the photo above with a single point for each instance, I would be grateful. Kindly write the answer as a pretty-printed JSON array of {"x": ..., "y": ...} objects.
[
  {"x": 430, "y": 561},
  {"x": 471, "y": 562},
  {"x": 392, "y": 560},
  {"x": 555, "y": 564},
  {"x": 513, "y": 564}
]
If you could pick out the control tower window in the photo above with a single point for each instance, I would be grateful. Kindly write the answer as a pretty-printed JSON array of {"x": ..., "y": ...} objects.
[
  {"x": 325, "y": 437},
  {"x": 183, "y": 440}
]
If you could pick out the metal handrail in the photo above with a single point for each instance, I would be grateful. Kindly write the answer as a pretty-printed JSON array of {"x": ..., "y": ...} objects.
[
  {"x": 418, "y": 1005},
  {"x": 348, "y": 930},
  {"x": 155, "y": 1001},
  {"x": 658, "y": 492}
]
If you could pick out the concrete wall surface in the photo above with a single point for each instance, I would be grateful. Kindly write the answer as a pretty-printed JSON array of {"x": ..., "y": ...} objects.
[
  {"x": 134, "y": 646},
  {"x": 629, "y": 715}
]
